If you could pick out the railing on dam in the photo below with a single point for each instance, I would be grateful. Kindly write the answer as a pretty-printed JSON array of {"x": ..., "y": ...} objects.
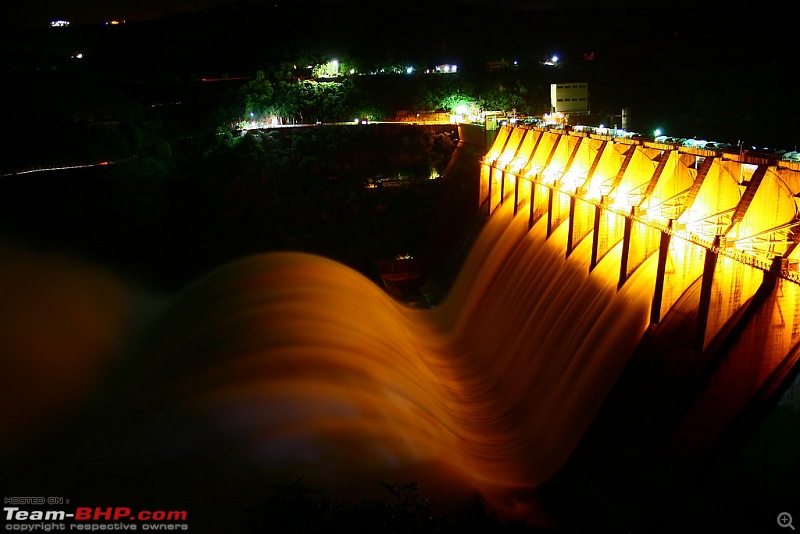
[{"x": 733, "y": 205}]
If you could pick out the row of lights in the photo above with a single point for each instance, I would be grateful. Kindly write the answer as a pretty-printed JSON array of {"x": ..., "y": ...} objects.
[
  {"x": 61, "y": 23},
  {"x": 447, "y": 68}
]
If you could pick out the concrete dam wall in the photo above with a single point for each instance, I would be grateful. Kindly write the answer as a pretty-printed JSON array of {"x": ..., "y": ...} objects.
[{"x": 716, "y": 234}]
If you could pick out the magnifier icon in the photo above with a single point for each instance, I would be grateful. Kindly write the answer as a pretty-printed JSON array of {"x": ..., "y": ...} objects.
[{"x": 785, "y": 520}]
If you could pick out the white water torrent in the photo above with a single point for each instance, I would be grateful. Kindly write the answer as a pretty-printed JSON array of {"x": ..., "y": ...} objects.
[{"x": 305, "y": 368}]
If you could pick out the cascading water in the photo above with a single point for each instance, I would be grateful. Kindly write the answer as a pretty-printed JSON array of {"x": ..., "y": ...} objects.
[{"x": 288, "y": 365}]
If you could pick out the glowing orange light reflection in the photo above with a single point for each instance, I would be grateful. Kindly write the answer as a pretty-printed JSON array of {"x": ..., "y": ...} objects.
[{"x": 317, "y": 372}]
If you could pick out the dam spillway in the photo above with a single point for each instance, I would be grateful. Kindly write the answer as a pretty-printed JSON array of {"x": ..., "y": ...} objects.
[
  {"x": 722, "y": 228},
  {"x": 600, "y": 283}
]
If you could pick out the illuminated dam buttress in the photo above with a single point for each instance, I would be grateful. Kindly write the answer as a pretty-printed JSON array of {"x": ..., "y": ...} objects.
[
  {"x": 716, "y": 233},
  {"x": 599, "y": 258}
]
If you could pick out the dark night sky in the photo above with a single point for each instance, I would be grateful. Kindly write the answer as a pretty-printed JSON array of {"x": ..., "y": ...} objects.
[
  {"x": 713, "y": 41},
  {"x": 39, "y": 12}
]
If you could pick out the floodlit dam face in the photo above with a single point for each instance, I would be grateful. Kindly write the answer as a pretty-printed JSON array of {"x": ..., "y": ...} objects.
[{"x": 713, "y": 232}]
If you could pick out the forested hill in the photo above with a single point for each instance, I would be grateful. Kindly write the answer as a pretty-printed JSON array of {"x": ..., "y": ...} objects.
[
  {"x": 707, "y": 71},
  {"x": 304, "y": 189}
]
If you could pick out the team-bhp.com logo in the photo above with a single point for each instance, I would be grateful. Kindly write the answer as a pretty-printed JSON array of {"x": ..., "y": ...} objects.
[{"x": 94, "y": 519}]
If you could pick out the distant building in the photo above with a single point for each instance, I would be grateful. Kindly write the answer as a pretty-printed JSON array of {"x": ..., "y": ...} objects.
[
  {"x": 569, "y": 98},
  {"x": 446, "y": 68}
]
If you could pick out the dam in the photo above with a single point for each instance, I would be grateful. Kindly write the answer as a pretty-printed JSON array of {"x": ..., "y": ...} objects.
[
  {"x": 620, "y": 298},
  {"x": 717, "y": 233}
]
